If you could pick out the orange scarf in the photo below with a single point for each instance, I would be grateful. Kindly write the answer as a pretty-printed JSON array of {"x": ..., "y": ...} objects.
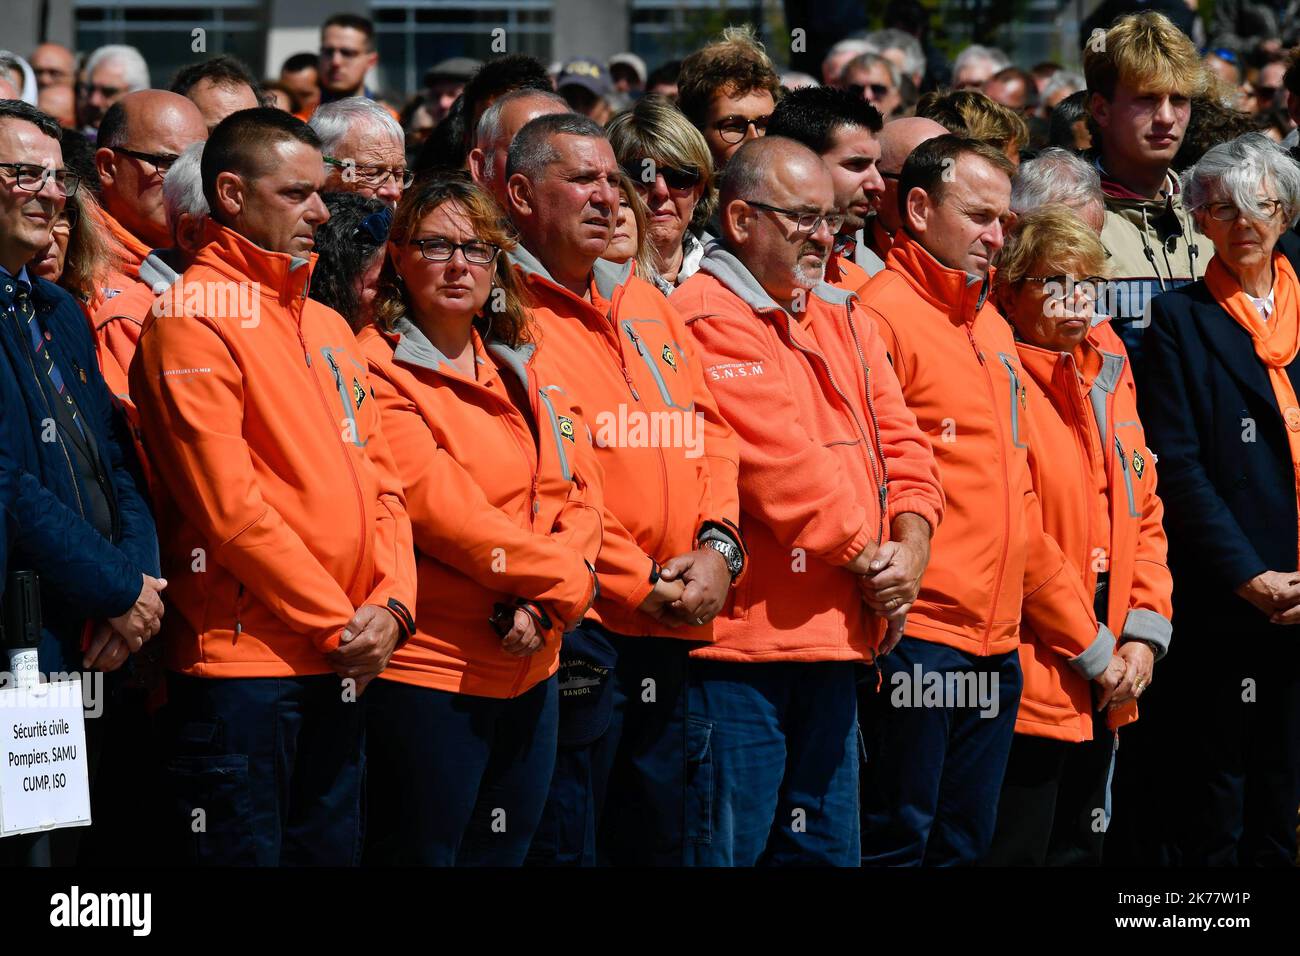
[{"x": 1275, "y": 346}]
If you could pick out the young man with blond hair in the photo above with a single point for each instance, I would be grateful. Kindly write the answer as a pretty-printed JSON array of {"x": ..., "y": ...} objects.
[{"x": 1142, "y": 74}]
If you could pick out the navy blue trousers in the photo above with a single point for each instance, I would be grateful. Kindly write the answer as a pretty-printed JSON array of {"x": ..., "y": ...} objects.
[
  {"x": 938, "y": 739},
  {"x": 265, "y": 771},
  {"x": 454, "y": 779}
]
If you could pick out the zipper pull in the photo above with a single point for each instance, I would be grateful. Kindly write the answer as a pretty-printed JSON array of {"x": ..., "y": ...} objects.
[
  {"x": 303, "y": 342},
  {"x": 971, "y": 335},
  {"x": 628, "y": 378}
]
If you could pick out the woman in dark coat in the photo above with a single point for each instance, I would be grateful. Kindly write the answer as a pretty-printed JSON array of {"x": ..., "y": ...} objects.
[{"x": 1219, "y": 404}]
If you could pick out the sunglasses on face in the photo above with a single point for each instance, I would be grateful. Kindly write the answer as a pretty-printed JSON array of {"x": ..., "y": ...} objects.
[
  {"x": 733, "y": 129},
  {"x": 680, "y": 180},
  {"x": 375, "y": 226}
]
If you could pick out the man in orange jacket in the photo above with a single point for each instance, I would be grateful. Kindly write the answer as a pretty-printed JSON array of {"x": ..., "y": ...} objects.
[
  {"x": 842, "y": 128},
  {"x": 141, "y": 135},
  {"x": 839, "y": 497},
  {"x": 947, "y": 707},
  {"x": 283, "y": 516},
  {"x": 671, "y": 547}
]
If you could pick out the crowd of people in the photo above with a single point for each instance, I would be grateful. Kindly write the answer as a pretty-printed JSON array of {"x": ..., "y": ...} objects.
[{"x": 591, "y": 465}]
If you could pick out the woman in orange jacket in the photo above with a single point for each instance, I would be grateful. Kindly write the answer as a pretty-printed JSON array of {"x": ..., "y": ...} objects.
[
  {"x": 504, "y": 497},
  {"x": 1096, "y": 482}
]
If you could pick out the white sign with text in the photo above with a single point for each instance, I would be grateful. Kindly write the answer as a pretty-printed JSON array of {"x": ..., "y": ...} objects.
[{"x": 44, "y": 780}]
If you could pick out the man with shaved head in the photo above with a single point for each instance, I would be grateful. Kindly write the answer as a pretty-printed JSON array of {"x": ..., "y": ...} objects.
[
  {"x": 496, "y": 131},
  {"x": 800, "y": 372},
  {"x": 897, "y": 140},
  {"x": 140, "y": 137}
]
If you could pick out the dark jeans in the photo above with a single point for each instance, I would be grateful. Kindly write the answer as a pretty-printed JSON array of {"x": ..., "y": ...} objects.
[
  {"x": 265, "y": 771},
  {"x": 772, "y": 764},
  {"x": 1055, "y": 802},
  {"x": 936, "y": 754},
  {"x": 1243, "y": 788},
  {"x": 454, "y": 779},
  {"x": 617, "y": 794}
]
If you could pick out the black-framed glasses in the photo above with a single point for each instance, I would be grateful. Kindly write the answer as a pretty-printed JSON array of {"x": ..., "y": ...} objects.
[
  {"x": 438, "y": 249},
  {"x": 878, "y": 90},
  {"x": 1229, "y": 212},
  {"x": 805, "y": 222},
  {"x": 33, "y": 177},
  {"x": 733, "y": 129},
  {"x": 681, "y": 180},
  {"x": 374, "y": 176},
  {"x": 161, "y": 162},
  {"x": 107, "y": 92}
]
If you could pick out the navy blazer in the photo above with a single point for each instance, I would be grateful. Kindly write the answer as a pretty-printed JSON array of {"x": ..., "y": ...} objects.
[
  {"x": 1226, "y": 476},
  {"x": 83, "y": 574}
]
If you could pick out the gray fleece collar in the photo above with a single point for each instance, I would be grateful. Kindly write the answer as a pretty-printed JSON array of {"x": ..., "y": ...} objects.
[
  {"x": 733, "y": 274},
  {"x": 157, "y": 272},
  {"x": 608, "y": 275},
  {"x": 413, "y": 348}
]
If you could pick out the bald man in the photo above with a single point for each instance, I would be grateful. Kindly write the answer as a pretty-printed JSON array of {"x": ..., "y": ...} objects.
[
  {"x": 141, "y": 135},
  {"x": 59, "y": 102},
  {"x": 801, "y": 374},
  {"x": 897, "y": 140},
  {"x": 496, "y": 131}
]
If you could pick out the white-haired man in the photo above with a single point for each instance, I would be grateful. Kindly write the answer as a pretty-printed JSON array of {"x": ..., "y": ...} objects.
[
  {"x": 1059, "y": 176},
  {"x": 976, "y": 65},
  {"x": 364, "y": 148},
  {"x": 111, "y": 72}
]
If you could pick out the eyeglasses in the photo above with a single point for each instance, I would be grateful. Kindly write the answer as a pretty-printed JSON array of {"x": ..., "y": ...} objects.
[
  {"x": 1228, "y": 211},
  {"x": 878, "y": 90},
  {"x": 681, "y": 180},
  {"x": 374, "y": 176},
  {"x": 733, "y": 129},
  {"x": 805, "y": 222},
  {"x": 31, "y": 177},
  {"x": 107, "y": 92},
  {"x": 328, "y": 52},
  {"x": 1064, "y": 279},
  {"x": 1263, "y": 92},
  {"x": 441, "y": 250},
  {"x": 161, "y": 162}
]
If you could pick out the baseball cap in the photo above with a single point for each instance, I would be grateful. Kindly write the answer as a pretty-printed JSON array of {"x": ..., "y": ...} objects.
[{"x": 586, "y": 73}]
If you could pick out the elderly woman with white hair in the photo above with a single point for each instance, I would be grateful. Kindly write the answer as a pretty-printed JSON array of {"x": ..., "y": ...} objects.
[
  {"x": 364, "y": 149},
  {"x": 1059, "y": 176},
  {"x": 1221, "y": 410}
]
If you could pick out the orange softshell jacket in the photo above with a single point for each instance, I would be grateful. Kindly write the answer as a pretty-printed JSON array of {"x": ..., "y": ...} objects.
[
  {"x": 281, "y": 510},
  {"x": 1085, "y": 434},
  {"x": 504, "y": 505},
  {"x": 829, "y": 456},
  {"x": 668, "y": 457},
  {"x": 957, "y": 363}
]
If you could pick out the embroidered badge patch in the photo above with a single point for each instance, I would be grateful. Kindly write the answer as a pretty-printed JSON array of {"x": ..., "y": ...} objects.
[
  {"x": 358, "y": 393},
  {"x": 670, "y": 358},
  {"x": 1139, "y": 463},
  {"x": 566, "y": 427}
]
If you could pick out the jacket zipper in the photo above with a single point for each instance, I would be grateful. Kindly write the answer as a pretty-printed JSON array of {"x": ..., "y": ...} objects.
[
  {"x": 1006, "y": 491},
  {"x": 347, "y": 459},
  {"x": 883, "y": 483}
]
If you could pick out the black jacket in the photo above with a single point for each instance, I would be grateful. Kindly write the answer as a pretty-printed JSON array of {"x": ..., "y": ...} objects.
[{"x": 1226, "y": 476}]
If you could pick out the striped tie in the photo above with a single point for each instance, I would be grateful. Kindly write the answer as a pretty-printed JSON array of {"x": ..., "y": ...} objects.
[{"x": 27, "y": 312}]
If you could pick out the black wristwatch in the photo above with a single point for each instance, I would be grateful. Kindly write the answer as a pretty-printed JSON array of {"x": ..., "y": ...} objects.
[{"x": 734, "y": 557}]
